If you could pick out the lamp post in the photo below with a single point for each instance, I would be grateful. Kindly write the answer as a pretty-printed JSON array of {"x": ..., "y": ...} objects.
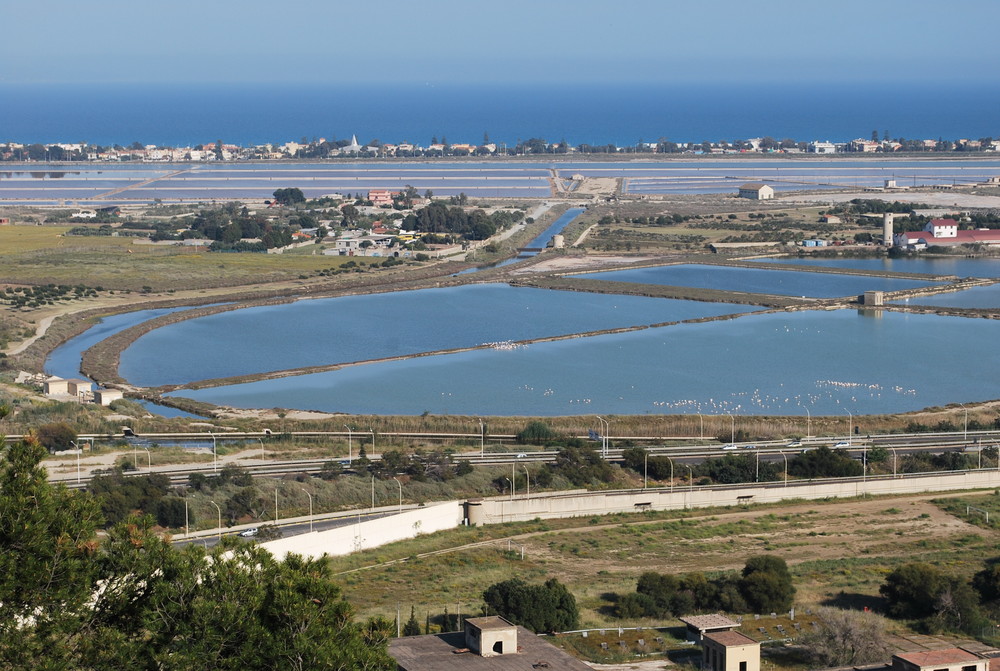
[
  {"x": 732, "y": 440},
  {"x": 310, "y": 509},
  {"x": 671, "y": 462},
  {"x": 400, "y": 493},
  {"x": 893, "y": 460},
  {"x": 215, "y": 454},
  {"x": 261, "y": 441},
  {"x": 690, "y": 478},
  {"x": 348, "y": 443},
  {"x": 220, "y": 518},
  {"x": 78, "y": 451},
  {"x": 965, "y": 432},
  {"x": 482, "y": 439},
  {"x": 149, "y": 460},
  {"x": 372, "y": 431},
  {"x": 645, "y": 471},
  {"x": 756, "y": 454},
  {"x": 604, "y": 437},
  {"x": 527, "y": 481},
  {"x": 187, "y": 529},
  {"x": 783, "y": 456},
  {"x": 511, "y": 488},
  {"x": 275, "y": 505},
  {"x": 850, "y": 422},
  {"x": 701, "y": 426},
  {"x": 808, "y": 422}
]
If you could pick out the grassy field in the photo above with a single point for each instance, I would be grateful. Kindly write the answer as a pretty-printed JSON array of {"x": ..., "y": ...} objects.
[
  {"x": 839, "y": 552},
  {"x": 41, "y": 255}
]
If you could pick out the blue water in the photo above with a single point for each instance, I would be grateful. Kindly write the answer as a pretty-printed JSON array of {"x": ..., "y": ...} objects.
[
  {"x": 960, "y": 267},
  {"x": 181, "y": 115},
  {"x": 976, "y": 297},
  {"x": 355, "y": 328},
  {"x": 780, "y": 282},
  {"x": 828, "y": 362},
  {"x": 64, "y": 361},
  {"x": 539, "y": 242}
]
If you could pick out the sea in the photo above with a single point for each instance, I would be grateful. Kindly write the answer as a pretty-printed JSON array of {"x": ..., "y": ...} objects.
[{"x": 597, "y": 114}]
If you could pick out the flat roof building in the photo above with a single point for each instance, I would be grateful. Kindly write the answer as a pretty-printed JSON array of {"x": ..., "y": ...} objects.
[
  {"x": 730, "y": 651},
  {"x": 950, "y": 659},
  {"x": 487, "y": 643},
  {"x": 699, "y": 625}
]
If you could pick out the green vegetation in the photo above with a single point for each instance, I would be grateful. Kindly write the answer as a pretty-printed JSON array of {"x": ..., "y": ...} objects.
[
  {"x": 72, "y": 601},
  {"x": 541, "y": 608}
]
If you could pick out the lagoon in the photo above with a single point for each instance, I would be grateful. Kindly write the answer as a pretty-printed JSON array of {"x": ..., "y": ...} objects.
[
  {"x": 354, "y": 328},
  {"x": 752, "y": 280},
  {"x": 777, "y": 363},
  {"x": 958, "y": 266}
]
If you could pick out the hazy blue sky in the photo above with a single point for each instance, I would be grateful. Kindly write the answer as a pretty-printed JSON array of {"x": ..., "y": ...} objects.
[{"x": 472, "y": 41}]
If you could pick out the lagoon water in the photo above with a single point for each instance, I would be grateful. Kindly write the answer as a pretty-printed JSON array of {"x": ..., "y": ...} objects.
[
  {"x": 828, "y": 362},
  {"x": 354, "y": 328},
  {"x": 976, "y": 297},
  {"x": 958, "y": 266},
  {"x": 752, "y": 280}
]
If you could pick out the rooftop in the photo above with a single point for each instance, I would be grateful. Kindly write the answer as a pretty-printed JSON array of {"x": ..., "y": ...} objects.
[
  {"x": 730, "y": 638},
  {"x": 939, "y": 657},
  {"x": 705, "y": 622},
  {"x": 447, "y": 652}
]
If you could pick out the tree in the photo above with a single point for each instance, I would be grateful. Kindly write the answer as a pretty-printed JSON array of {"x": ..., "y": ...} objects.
[
  {"x": 912, "y": 589},
  {"x": 767, "y": 584},
  {"x": 535, "y": 433},
  {"x": 541, "y": 608},
  {"x": 289, "y": 196},
  {"x": 847, "y": 638},
  {"x": 69, "y": 601},
  {"x": 55, "y": 436},
  {"x": 412, "y": 627}
]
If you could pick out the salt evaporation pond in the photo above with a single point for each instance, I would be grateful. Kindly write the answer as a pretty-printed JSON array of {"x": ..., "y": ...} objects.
[
  {"x": 353, "y": 328},
  {"x": 976, "y": 297},
  {"x": 958, "y": 266},
  {"x": 776, "y": 363},
  {"x": 752, "y": 280}
]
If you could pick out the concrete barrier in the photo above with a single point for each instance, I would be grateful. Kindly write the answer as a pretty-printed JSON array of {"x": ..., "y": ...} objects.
[
  {"x": 551, "y": 506},
  {"x": 370, "y": 533}
]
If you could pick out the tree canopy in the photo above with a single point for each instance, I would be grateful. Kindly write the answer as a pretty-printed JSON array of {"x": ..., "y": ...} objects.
[
  {"x": 131, "y": 600},
  {"x": 541, "y": 608}
]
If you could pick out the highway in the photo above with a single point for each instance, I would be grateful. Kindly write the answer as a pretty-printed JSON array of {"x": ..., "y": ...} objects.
[{"x": 688, "y": 450}]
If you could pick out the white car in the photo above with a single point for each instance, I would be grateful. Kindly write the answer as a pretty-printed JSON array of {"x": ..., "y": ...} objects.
[
  {"x": 842, "y": 443},
  {"x": 248, "y": 533},
  {"x": 794, "y": 443},
  {"x": 729, "y": 447}
]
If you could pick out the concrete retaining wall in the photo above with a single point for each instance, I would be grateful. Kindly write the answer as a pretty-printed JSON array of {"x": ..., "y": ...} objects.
[
  {"x": 371, "y": 533},
  {"x": 498, "y": 510}
]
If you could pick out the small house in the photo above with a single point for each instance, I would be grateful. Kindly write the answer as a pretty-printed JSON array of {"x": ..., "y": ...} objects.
[{"x": 756, "y": 191}]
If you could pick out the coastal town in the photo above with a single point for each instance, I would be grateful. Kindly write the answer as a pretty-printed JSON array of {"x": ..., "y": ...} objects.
[{"x": 322, "y": 148}]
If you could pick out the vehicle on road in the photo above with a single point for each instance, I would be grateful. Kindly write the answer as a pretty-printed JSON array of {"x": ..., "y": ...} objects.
[
  {"x": 842, "y": 443},
  {"x": 248, "y": 533},
  {"x": 794, "y": 443},
  {"x": 749, "y": 447},
  {"x": 522, "y": 456},
  {"x": 729, "y": 447}
]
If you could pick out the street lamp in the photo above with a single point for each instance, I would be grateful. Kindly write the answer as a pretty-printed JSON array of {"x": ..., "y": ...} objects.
[
  {"x": 220, "y": 518},
  {"x": 690, "y": 478},
  {"x": 400, "y": 493},
  {"x": 149, "y": 460},
  {"x": 215, "y": 454},
  {"x": 850, "y": 421},
  {"x": 78, "y": 451},
  {"x": 348, "y": 444},
  {"x": 482, "y": 439},
  {"x": 261, "y": 441},
  {"x": 671, "y": 462},
  {"x": 893, "y": 460},
  {"x": 645, "y": 461},
  {"x": 965, "y": 433},
  {"x": 808, "y": 422},
  {"x": 733, "y": 437},
  {"x": 756, "y": 454},
  {"x": 527, "y": 481},
  {"x": 511, "y": 488},
  {"x": 783, "y": 456},
  {"x": 372, "y": 431},
  {"x": 604, "y": 438},
  {"x": 310, "y": 509}
]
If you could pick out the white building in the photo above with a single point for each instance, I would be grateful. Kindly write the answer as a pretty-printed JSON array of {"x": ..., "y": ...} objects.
[{"x": 756, "y": 191}]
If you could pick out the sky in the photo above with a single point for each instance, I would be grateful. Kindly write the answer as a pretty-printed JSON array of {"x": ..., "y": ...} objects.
[{"x": 541, "y": 42}]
